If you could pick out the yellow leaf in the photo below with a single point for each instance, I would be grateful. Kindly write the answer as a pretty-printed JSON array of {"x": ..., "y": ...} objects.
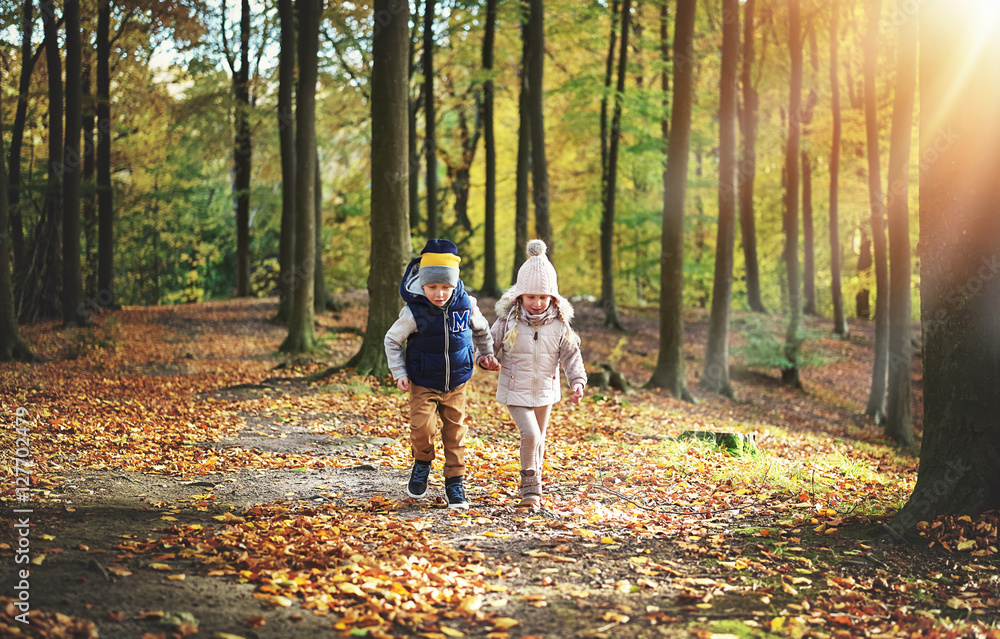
[
  {"x": 471, "y": 604},
  {"x": 168, "y": 518},
  {"x": 160, "y": 567},
  {"x": 607, "y": 540},
  {"x": 225, "y": 635},
  {"x": 119, "y": 570},
  {"x": 177, "y": 577},
  {"x": 777, "y": 623},
  {"x": 504, "y": 623},
  {"x": 451, "y": 632},
  {"x": 38, "y": 560},
  {"x": 967, "y": 544}
]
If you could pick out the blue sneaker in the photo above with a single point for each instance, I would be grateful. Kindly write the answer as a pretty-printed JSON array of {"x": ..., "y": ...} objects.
[
  {"x": 417, "y": 487},
  {"x": 454, "y": 490}
]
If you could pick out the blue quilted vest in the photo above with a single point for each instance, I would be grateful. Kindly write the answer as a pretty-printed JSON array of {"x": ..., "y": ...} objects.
[{"x": 440, "y": 354}]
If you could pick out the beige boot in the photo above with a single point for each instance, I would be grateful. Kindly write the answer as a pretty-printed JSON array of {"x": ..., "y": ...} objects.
[{"x": 531, "y": 489}]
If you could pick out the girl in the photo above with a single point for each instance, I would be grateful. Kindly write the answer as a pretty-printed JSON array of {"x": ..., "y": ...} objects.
[{"x": 532, "y": 338}]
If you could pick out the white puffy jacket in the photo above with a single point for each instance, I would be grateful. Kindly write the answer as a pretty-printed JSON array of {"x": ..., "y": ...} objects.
[{"x": 529, "y": 368}]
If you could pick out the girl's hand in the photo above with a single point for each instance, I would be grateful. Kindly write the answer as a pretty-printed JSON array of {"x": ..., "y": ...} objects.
[
  {"x": 577, "y": 394},
  {"x": 488, "y": 362},
  {"x": 403, "y": 384}
]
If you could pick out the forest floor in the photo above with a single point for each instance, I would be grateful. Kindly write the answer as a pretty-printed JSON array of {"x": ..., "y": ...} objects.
[{"x": 187, "y": 480}]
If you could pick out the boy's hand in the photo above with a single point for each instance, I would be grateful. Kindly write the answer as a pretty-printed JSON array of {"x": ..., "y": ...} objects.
[
  {"x": 577, "y": 394},
  {"x": 488, "y": 362},
  {"x": 403, "y": 384}
]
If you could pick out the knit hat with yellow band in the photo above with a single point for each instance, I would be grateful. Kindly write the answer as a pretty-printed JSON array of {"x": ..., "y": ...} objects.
[{"x": 439, "y": 263}]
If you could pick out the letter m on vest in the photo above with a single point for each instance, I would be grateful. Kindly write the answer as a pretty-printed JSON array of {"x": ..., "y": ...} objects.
[{"x": 459, "y": 321}]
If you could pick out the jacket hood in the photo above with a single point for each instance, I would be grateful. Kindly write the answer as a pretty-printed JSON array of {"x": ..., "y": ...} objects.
[
  {"x": 410, "y": 289},
  {"x": 508, "y": 301}
]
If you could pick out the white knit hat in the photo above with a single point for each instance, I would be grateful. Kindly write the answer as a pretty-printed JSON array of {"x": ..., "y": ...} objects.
[{"x": 537, "y": 276}]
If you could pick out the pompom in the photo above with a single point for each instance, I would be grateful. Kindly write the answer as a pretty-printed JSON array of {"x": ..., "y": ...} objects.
[{"x": 536, "y": 247}]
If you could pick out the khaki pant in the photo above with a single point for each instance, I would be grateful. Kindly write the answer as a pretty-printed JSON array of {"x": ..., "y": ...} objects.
[{"x": 425, "y": 405}]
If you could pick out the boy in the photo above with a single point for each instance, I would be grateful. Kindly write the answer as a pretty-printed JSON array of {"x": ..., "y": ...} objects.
[{"x": 430, "y": 349}]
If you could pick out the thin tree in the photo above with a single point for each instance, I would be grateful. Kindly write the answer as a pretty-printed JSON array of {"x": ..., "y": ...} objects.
[
  {"x": 88, "y": 200},
  {"x": 430, "y": 136},
  {"x": 323, "y": 300},
  {"x": 808, "y": 232},
  {"x": 793, "y": 335},
  {"x": 12, "y": 347},
  {"x": 491, "y": 287},
  {"x": 748, "y": 162},
  {"x": 242, "y": 146},
  {"x": 523, "y": 169},
  {"x": 74, "y": 313},
  {"x": 899, "y": 424},
  {"x": 28, "y": 59},
  {"x": 106, "y": 294},
  {"x": 286, "y": 142},
  {"x": 390, "y": 221},
  {"x": 716, "y": 374},
  {"x": 301, "y": 332},
  {"x": 609, "y": 67},
  {"x": 539, "y": 163},
  {"x": 611, "y": 319},
  {"x": 880, "y": 368},
  {"x": 959, "y": 289},
  {"x": 669, "y": 372},
  {"x": 839, "y": 314},
  {"x": 413, "y": 107}
]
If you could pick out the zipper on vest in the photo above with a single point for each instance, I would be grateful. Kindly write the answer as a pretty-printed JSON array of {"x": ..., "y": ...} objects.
[{"x": 447, "y": 355}]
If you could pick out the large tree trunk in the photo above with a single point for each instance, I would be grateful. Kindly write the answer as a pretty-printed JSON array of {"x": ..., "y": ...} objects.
[
  {"x": 960, "y": 290},
  {"x": 17, "y": 137},
  {"x": 491, "y": 286},
  {"x": 242, "y": 156},
  {"x": 611, "y": 319},
  {"x": 839, "y": 313},
  {"x": 74, "y": 313},
  {"x": 808, "y": 231},
  {"x": 876, "y": 400},
  {"x": 286, "y": 141},
  {"x": 301, "y": 331},
  {"x": 390, "y": 221},
  {"x": 322, "y": 299},
  {"x": 106, "y": 295},
  {"x": 12, "y": 347},
  {"x": 430, "y": 137},
  {"x": 669, "y": 372},
  {"x": 793, "y": 335},
  {"x": 716, "y": 375},
  {"x": 609, "y": 66},
  {"x": 748, "y": 163},
  {"x": 539, "y": 163},
  {"x": 523, "y": 170},
  {"x": 899, "y": 424}
]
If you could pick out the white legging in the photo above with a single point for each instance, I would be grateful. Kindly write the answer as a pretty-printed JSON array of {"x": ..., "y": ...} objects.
[{"x": 531, "y": 422}]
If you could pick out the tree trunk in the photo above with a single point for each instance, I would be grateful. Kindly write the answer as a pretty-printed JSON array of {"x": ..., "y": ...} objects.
[
  {"x": 106, "y": 294},
  {"x": 430, "y": 137},
  {"x": 17, "y": 138},
  {"x": 862, "y": 299},
  {"x": 960, "y": 292},
  {"x": 748, "y": 164},
  {"x": 12, "y": 347},
  {"x": 521, "y": 195},
  {"x": 390, "y": 227},
  {"x": 839, "y": 314},
  {"x": 611, "y": 319},
  {"x": 539, "y": 163},
  {"x": 491, "y": 287},
  {"x": 876, "y": 400},
  {"x": 793, "y": 336},
  {"x": 322, "y": 299},
  {"x": 413, "y": 107},
  {"x": 286, "y": 140},
  {"x": 74, "y": 313},
  {"x": 88, "y": 202},
  {"x": 899, "y": 424},
  {"x": 669, "y": 372},
  {"x": 716, "y": 375},
  {"x": 242, "y": 156},
  {"x": 44, "y": 281},
  {"x": 301, "y": 331},
  {"x": 609, "y": 67},
  {"x": 808, "y": 239}
]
